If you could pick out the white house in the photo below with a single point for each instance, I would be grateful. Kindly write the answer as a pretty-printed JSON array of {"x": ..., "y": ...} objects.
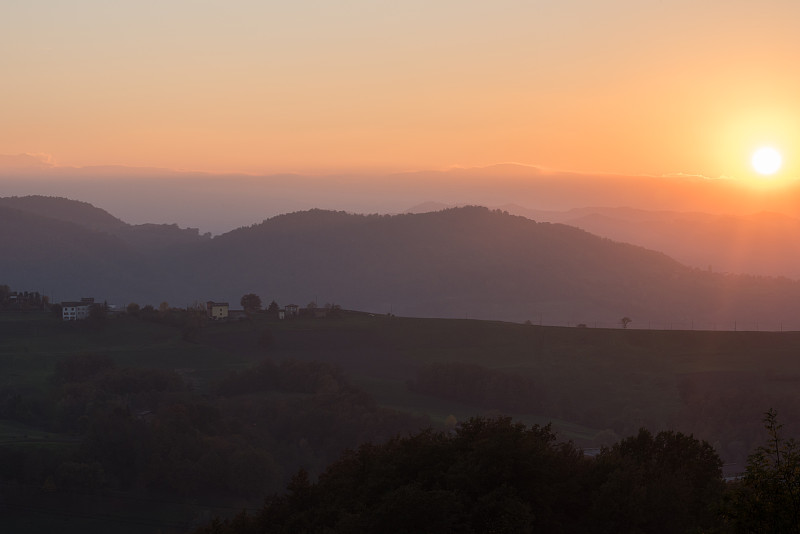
[
  {"x": 76, "y": 311},
  {"x": 217, "y": 311}
]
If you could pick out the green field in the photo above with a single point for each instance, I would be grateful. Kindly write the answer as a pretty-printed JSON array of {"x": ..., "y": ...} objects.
[
  {"x": 597, "y": 385},
  {"x": 603, "y": 374}
]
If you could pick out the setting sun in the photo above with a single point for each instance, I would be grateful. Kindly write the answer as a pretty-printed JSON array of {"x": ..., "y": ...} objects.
[{"x": 766, "y": 161}]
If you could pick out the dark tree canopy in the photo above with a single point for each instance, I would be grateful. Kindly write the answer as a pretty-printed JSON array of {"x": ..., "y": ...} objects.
[
  {"x": 251, "y": 302},
  {"x": 495, "y": 475},
  {"x": 768, "y": 497},
  {"x": 666, "y": 483}
]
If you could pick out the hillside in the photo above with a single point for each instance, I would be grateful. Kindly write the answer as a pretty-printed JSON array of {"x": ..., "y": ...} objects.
[
  {"x": 596, "y": 385},
  {"x": 464, "y": 262},
  {"x": 146, "y": 238},
  {"x": 62, "y": 209},
  {"x": 759, "y": 244},
  {"x": 472, "y": 262},
  {"x": 66, "y": 260},
  {"x": 100, "y": 416}
]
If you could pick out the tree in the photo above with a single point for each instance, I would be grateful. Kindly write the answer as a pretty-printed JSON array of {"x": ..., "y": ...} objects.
[
  {"x": 273, "y": 307},
  {"x": 670, "y": 482},
  {"x": 148, "y": 312},
  {"x": 250, "y": 302},
  {"x": 625, "y": 321},
  {"x": 768, "y": 498}
]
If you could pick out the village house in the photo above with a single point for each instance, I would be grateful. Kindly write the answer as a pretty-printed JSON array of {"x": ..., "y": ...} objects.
[
  {"x": 217, "y": 311},
  {"x": 76, "y": 311}
]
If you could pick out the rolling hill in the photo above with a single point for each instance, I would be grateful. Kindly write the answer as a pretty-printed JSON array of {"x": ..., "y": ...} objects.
[
  {"x": 761, "y": 243},
  {"x": 462, "y": 262}
]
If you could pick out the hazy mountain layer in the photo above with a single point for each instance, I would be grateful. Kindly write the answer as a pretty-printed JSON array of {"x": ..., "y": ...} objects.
[
  {"x": 146, "y": 238},
  {"x": 464, "y": 262},
  {"x": 762, "y": 243}
]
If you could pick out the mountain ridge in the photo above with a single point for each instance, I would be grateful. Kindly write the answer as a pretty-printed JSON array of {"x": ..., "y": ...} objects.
[{"x": 460, "y": 262}]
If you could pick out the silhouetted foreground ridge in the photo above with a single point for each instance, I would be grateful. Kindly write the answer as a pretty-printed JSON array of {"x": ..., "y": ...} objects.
[{"x": 494, "y": 475}]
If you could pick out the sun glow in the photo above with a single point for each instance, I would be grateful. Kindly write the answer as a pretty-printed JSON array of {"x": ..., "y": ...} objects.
[{"x": 766, "y": 161}]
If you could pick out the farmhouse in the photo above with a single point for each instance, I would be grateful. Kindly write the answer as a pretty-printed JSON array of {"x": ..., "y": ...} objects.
[
  {"x": 76, "y": 311},
  {"x": 217, "y": 311}
]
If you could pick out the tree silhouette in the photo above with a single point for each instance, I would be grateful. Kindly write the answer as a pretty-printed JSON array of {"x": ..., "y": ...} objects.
[
  {"x": 625, "y": 321},
  {"x": 768, "y": 499},
  {"x": 251, "y": 302}
]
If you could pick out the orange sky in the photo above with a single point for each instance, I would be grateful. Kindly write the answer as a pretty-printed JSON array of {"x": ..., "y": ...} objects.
[{"x": 627, "y": 86}]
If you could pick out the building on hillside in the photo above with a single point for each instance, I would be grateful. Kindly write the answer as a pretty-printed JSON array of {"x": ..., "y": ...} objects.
[
  {"x": 218, "y": 311},
  {"x": 76, "y": 311}
]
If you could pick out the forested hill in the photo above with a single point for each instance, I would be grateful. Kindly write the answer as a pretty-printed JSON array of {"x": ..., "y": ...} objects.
[
  {"x": 145, "y": 238},
  {"x": 477, "y": 263},
  {"x": 462, "y": 262},
  {"x": 62, "y": 209},
  {"x": 65, "y": 260}
]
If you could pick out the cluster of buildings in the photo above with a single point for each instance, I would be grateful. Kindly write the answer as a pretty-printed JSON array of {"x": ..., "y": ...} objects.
[
  {"x": 215, "y": 311},
  {"x": 220, "y": 311},
  {"x": 76, "y": 311}
]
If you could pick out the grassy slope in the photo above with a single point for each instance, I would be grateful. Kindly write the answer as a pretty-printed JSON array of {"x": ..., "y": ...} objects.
[
  {"x": 630, "y": 373},
  {"x": 30, "y": 346}
]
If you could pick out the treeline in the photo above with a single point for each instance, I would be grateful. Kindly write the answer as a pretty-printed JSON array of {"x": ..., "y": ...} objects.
[
  {"x": 730, "y": 414},
  {"x": 136, "y": 429},
  {"x": 479, "y": 386},
  {"x": 289, "y": 376},
  {"x": 22, "y": 300},
  {"x": 495, "y": 475}
]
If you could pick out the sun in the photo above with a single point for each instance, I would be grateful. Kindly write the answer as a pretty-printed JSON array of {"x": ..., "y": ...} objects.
[{"x": 766, "y": 161}]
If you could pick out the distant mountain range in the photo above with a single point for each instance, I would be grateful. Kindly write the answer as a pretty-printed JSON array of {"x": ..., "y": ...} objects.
[
  {"x": 762, "y": 243},
  {"x": 461, "y": 262}
]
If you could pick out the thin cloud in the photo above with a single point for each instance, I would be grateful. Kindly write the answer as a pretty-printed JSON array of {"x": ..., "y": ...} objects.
[
  {"x": 27, "y": 161},
  {"x": 694, "y": 175}
]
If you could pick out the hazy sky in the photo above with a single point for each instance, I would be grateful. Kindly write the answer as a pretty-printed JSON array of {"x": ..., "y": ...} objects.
[{"x": 621, "y": 86}]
